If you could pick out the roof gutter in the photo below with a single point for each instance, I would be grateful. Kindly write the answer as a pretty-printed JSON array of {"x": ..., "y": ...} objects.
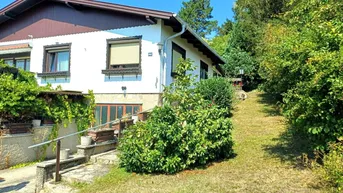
[{"x": 164, "y": 54}]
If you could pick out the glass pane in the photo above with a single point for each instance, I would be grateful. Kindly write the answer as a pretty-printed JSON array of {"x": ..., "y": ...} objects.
[
  {"x": 9, "y": 62},
  {"x": 52, "y": 62},
  {"x": 27, "y": 68},
  {"x": 104, "y": 114},
  {"x": 20, "y": 64},
  {"x": 97, "y": 115},
  {"x": 120, "y": 111},
  {"x": 176, "y": 59},
  {"x": 128, "y": 110},
  {"x": 63, "y": 61},
  {"x": 135, "y": 109},
  {"x": 113, "y": 113}
]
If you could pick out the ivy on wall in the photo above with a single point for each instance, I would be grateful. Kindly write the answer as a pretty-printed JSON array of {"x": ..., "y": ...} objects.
[{"x": 21, "y": 100}]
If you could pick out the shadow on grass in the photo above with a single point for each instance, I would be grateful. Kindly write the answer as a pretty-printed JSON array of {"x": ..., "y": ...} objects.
[
  {"x": 291, "y": 147},
  {"x": 271, "y": 104}
]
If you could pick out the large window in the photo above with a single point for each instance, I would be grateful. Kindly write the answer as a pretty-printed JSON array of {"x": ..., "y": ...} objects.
[
  {"x": 124, "y": 56},
  {"x": 57, "y": 60},
  {"x": 203, "y": 70},
  {"x": 22, "y": 62},
  {"x": 109, "y": 112},
  {"x": 177, "y": 53}
]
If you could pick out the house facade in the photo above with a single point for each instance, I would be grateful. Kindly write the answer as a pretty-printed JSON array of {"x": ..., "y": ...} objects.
[{"x": 124, "y": 54}]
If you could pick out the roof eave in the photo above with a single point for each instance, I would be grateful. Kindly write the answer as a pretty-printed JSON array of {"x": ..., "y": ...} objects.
[{"x": 199, "y": 38}]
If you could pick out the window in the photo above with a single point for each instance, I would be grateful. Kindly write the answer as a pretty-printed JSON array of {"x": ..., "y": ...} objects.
[
  {"x": 177, "y": 53},
  {"x": 203, "y": 70},
  {"x": 123, "y": 56},
  {"x": 18, "y": 61},
  {"x": 57, "y": 60},
  {"x": 109, "y": 112}
]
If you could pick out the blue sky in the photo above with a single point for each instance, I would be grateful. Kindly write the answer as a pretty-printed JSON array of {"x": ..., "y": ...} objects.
[{"x": 222, "y": 9}]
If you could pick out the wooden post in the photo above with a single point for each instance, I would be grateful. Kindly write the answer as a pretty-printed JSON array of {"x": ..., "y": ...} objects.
[
  {"x": 119, "y": 133},
  {"x": 58, "y": 149}
]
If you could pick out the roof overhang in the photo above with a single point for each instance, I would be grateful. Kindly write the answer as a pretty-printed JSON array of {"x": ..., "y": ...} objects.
[
  {"x": 15, "y": 49},
  {"x": 170, "y": 19},
  {"x": 193, "y": 38}
]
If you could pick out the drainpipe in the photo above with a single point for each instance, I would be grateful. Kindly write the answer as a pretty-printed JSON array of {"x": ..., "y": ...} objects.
[{"x": 164, "y": 53}]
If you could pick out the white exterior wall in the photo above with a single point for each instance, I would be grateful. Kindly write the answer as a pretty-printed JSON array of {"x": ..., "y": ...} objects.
[
  {"x": 191, "y": 52},
  {"x": 88, "y": 59}
]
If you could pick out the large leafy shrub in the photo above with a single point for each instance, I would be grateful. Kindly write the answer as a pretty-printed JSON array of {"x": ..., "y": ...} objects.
[
  {"x": 187, "y": 131},
  {"x": 18, "y": 98},
  {"x": 217, "y": 90},
  {"x": 302, "y": 62},
  {"x": 332, "y": 169},
  {"x": 20, "y": 101}
]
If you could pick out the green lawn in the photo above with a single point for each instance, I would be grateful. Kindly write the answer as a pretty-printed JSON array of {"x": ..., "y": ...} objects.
[{"x": 267, "y": 160}]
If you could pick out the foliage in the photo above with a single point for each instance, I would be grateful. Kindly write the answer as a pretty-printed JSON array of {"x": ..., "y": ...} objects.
[
  {"x": 23, "y": 165},
  {"x": 236, "y": 60},
  {"x": 237, "y": 57},
  {"x": 259, "y": 11},
  {"x": 302, "y": 62},
  {"x": 217, "y": 90},
  {"x": 185, "y": 132},
  {"x": 18, "y": 99},
  {"x": 225, "y": 28},
  {"x": 220, "y": 43},
  {"x": 332, "y": 169},
  {"x": 198, "y": 14},
  {"x": 63, "y": 109}
]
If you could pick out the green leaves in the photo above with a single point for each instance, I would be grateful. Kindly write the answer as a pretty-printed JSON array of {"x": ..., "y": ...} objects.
[
  {"x": 218, "y": 91},
  {"x": 198, "y": 14},
  {"x": 184, "y": 133},
  {"x": 302, "y": 62},
  {"x": 19, "y": 102},
  {"x": 18, "y": 98}
]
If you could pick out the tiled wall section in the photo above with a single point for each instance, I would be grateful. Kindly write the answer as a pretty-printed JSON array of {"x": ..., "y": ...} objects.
[{"x": 148, "y": 101}]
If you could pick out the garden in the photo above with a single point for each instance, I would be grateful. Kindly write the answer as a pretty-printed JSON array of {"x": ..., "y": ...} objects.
[{"x": 23, "y": 102}]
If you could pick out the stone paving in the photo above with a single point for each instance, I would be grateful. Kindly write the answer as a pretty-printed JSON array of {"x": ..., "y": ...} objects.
[
  {"x": 18, "y": 180},
  {"x": 23, "y": 180},
  {"x": 99, "y": 166}
]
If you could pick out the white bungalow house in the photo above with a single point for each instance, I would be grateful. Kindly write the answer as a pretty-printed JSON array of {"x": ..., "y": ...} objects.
[{"x": 124, "y": 54}]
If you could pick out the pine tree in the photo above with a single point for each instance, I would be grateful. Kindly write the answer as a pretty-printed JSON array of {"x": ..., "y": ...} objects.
[{"x": 198, "y": 14}]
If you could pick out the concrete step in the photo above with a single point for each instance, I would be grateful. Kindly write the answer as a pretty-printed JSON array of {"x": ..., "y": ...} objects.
[
  {"x": 85, "y": 173},
  {"x": 107, "y": 158}
]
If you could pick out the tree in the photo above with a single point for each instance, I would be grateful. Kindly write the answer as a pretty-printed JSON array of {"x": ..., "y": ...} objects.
[
  {"x": 225, "y": 28},
  {"x": 302, "y": 62},
  {"x": 220, "y": 43},
  {"x": 198, "y": 14}
]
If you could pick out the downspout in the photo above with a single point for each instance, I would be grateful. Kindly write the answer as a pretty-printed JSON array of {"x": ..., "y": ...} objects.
[{"x": 164, "y": 53}]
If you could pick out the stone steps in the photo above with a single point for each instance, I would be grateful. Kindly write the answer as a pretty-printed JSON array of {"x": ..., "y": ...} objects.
[{"x": 107, "y": 158}]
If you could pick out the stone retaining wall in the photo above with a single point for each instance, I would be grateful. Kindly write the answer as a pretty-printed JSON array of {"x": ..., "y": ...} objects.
[{"x": 14, "y": 148}]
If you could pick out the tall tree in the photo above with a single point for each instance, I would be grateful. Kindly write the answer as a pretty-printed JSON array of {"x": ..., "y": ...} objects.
[
  {"x": 225, "y": 28},
  {"x": 198, "y": 14}
]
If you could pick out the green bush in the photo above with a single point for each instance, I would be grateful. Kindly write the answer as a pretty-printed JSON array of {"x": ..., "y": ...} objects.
[
  {"x": 18, "y": 98},
  {"x": 218, "y": 91},
  {"x": 332, "y": 168},
  {"x": 185, "y": 132},
  {"x": 301, "y": 60}
]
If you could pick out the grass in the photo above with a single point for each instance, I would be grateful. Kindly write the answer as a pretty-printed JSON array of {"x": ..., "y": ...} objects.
[
  {"x": 23, "y": 165},
  {"x": 267, "y": 160}
]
